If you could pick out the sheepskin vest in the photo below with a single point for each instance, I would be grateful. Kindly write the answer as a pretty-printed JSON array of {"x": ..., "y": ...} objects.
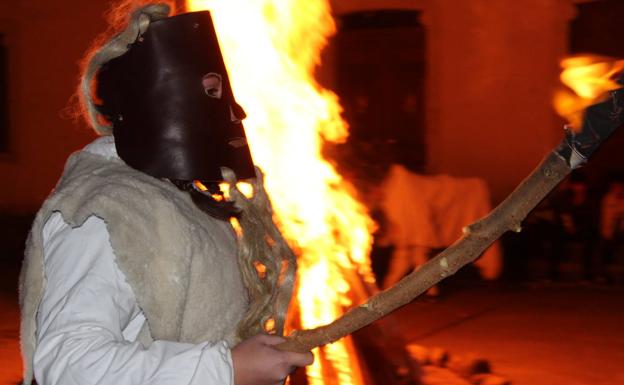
[{"x": 180, "y": 262}]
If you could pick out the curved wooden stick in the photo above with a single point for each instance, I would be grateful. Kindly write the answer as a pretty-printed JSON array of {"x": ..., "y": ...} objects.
[
  {"x": 477, "y": 237},
  {"x": 599, "y": 122}
]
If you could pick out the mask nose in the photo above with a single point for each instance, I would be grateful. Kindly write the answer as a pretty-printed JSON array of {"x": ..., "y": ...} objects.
[{"x": 237, "y": 114}]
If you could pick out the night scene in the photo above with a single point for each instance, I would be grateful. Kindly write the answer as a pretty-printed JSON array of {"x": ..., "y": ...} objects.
[{"x": 312, "y": 192}]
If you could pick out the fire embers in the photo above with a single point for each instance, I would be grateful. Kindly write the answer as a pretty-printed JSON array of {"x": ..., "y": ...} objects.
[
  {"x": 593, "y": 104},
  {"x": 588, "y": 80}
]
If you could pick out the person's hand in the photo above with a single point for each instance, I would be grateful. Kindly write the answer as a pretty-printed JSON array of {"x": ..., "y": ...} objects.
[{"x": 257, "y": 362}]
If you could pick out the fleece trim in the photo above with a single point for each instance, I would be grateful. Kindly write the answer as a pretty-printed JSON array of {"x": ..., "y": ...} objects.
[{"x": 180, "y": 262}]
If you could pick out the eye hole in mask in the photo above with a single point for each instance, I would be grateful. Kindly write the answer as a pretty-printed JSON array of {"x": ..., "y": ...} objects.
[{"x": 212, "y": 85}]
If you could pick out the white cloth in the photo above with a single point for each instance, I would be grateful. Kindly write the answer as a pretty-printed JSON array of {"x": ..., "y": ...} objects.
[
  {"x": 431, "y": 211},
  {"x": 88, "y": 319}
]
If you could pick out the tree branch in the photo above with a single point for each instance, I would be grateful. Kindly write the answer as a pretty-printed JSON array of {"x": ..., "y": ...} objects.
[
  {"x": 477, "y": 237},
  {"x": 599, "y": 122}
]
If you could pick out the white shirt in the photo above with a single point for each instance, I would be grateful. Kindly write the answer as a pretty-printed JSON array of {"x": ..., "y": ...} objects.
[{"x": 89, "y": 319}]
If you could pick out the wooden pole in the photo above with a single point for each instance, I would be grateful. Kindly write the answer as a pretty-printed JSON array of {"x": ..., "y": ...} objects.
[
  {"x": 477, "y": 237},
  {"x": 599, "y": 121}
]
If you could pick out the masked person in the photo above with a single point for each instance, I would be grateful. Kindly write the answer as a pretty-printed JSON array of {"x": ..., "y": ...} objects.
[{"x": 132, "y": 272}]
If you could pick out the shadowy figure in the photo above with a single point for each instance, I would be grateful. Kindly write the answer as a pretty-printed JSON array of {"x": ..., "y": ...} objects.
[
  {"x": 611, "y": 225},
  {"x": 576, "y": 219},
  {"x": 565, "y": 221}
]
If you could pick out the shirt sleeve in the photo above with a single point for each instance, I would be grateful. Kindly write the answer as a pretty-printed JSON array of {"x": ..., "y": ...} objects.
[{"x": 84, "y": 315}]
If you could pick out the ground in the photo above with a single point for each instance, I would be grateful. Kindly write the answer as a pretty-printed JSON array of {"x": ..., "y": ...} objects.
[
  {"x": 545, "y": 334},
  {"x": 10, "y": 361}
]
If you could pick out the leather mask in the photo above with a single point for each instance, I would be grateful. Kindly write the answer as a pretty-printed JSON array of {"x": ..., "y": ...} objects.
[{"x": 171, "y": 105}]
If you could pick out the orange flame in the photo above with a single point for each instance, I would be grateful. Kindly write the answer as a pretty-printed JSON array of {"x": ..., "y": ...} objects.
[
  {"x": 588, "y": 79},
  {"x": 271, "y": 49}
]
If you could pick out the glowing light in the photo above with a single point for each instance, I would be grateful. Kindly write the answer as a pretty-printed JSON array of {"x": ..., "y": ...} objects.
[
  {"x": 271, "y": 49},
  {"x": 588, "y": 78}
]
